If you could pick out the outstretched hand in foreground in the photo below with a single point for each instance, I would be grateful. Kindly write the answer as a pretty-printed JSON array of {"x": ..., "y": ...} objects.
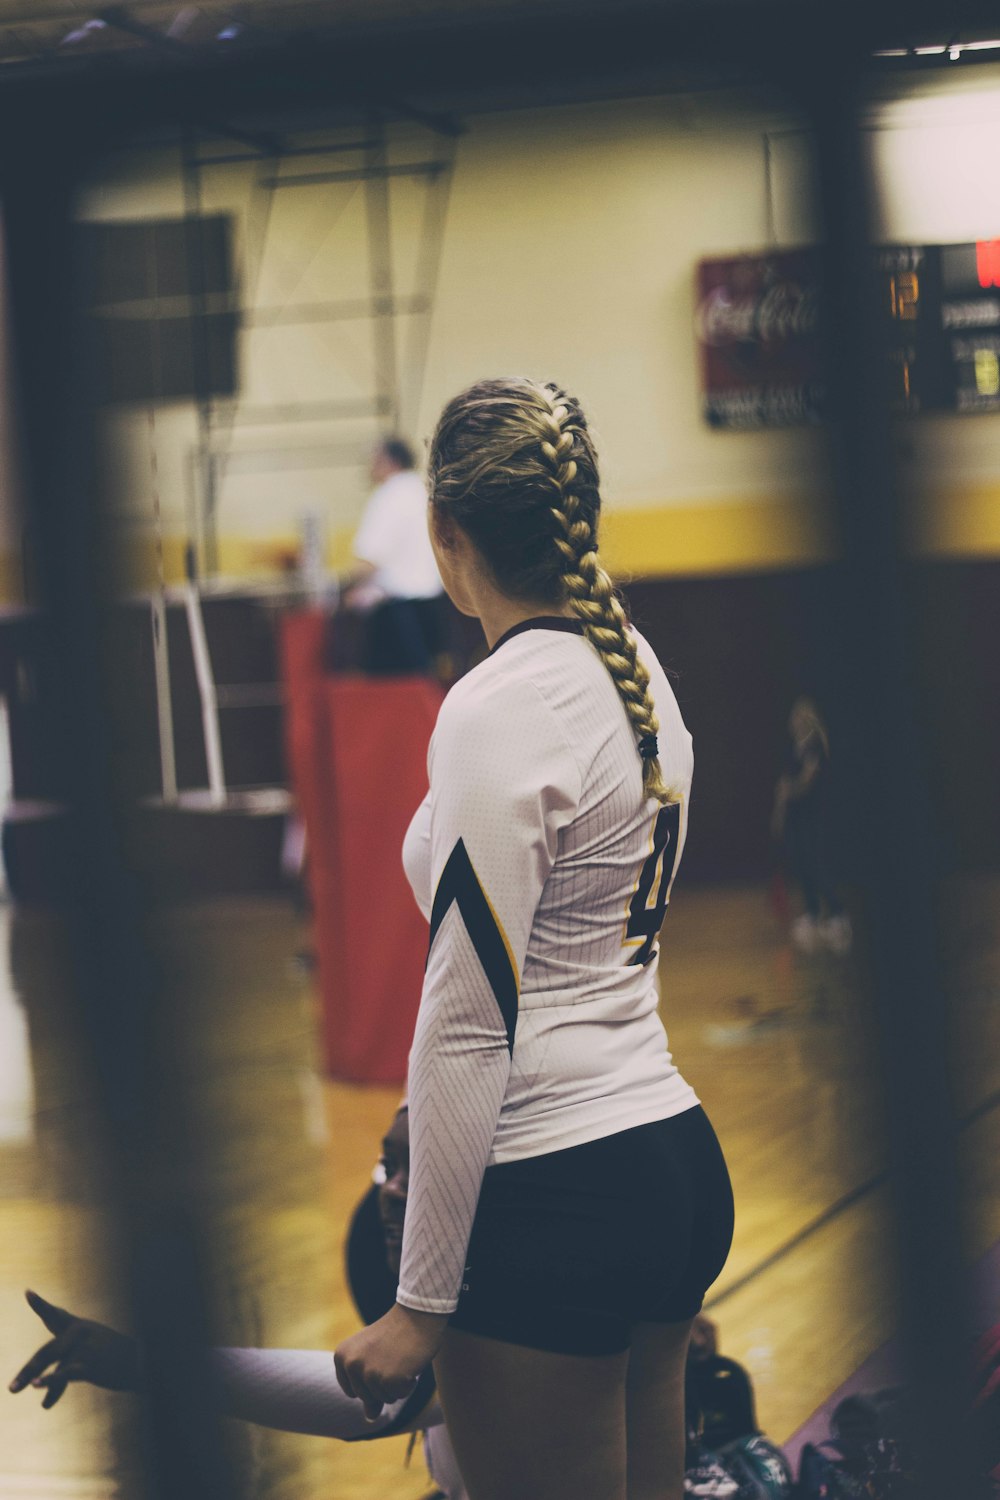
[{"x": 78, "y": 1350}]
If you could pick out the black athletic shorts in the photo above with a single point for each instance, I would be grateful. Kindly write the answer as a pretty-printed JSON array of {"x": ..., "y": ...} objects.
[{"x": 570, "y": 1249}]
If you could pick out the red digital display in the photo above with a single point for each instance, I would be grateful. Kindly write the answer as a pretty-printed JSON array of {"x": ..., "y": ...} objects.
[{"x": 988, "y": 262}]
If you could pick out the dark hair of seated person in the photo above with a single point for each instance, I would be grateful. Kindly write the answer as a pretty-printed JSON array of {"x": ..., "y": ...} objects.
[
  {"x": 719, "y": 1401},
  {"x": 372, "y": 1285}
]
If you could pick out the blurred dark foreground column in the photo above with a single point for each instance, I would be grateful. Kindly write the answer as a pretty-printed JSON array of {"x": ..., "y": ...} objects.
[
  {"x": 131, "y": 1057},
  {"x": 884, "y": 701}
]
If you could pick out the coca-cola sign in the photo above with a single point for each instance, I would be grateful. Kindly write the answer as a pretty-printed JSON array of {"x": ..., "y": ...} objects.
[
  {"x": 757, "y": 323},
  {"x": 935, "y": 332},
  {"x": 784, "y": 311}
]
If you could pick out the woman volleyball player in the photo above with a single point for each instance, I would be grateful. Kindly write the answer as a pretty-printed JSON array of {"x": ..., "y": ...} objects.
[{"x": 568, "y": 1203}]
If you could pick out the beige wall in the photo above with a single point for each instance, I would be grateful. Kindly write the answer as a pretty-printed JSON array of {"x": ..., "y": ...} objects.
[
  {"x": 934, "y": 157},
  {"x": 570, "y": 245},
  {"x": 571, "y": 241}
]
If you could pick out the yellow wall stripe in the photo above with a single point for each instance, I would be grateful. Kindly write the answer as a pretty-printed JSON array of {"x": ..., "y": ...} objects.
[
  {"x": 757, "y": 534},
  {"x": 963, "y": 523},
  {"x": 746, "y": 535}
]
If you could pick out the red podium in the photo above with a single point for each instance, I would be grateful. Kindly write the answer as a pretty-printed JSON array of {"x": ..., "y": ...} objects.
[{"x": 357, "y": 749}]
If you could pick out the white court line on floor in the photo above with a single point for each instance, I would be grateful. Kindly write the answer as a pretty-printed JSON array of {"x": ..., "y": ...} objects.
[
  {"x": 30, "y": 1486},
  {"x": 316, "y": 1125}
]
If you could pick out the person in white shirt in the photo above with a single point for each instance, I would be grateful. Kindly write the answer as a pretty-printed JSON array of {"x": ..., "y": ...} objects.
[
  {"x": 394, "y": 578},
  {"x": 569, "y": 1204}
]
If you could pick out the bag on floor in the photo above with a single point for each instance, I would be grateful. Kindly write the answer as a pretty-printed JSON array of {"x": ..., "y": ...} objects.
[
  {"x": 860, "y": 1422},
  {"x": 822, "y": 1475},
  {"x": 707, "y": 1478},
  {"x": 868, "y": 1431},
  {"x": 762, "y": 1469},
  {"x": 749, "y": 1469}
]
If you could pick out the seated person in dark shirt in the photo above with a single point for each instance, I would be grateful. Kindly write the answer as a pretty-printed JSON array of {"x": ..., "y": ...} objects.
[{"x": 718, "y": 1392}]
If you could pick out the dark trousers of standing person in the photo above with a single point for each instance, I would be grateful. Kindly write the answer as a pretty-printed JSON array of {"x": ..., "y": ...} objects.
[
  {"x": 402, "y": 637},
  {"x": 807, "y": 846}
]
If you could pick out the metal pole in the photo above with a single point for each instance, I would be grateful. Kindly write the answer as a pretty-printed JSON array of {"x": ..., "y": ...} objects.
[
  {"x": 207, "y": 694},
  {"x": 380, "y": 273},
  {"x": 161, "y": 649},
  {"x": 164, "y": 707},
  {"x": 417, "y": 343},
  {"x": 194, "y": 248}
]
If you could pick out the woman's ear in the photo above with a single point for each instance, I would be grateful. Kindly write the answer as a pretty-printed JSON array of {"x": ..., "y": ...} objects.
[{"x": 443, "y": 529}]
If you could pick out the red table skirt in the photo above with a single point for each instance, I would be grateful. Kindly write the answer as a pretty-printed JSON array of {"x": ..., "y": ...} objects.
[{"x": 357, "y": 750}]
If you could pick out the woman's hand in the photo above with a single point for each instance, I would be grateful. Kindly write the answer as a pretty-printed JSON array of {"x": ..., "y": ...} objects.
[
  {"x": 380, "y": 1364},
  {"x": 78, "y": 1350}
]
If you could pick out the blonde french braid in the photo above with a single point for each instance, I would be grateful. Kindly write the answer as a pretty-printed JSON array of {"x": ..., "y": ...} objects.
[{"x": 592, "y": 594}]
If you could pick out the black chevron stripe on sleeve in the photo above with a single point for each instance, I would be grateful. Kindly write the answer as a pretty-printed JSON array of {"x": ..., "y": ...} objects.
[{"x": 460, "y": 883}]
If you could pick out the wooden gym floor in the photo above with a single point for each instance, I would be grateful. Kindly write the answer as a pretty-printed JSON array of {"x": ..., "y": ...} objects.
[{"x": 778, "y": 1046}]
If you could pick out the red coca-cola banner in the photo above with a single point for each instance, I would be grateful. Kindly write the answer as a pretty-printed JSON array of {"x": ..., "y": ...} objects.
[{"x": 757, "y": 323}]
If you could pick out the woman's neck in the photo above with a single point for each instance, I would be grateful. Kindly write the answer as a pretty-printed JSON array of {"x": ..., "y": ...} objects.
[{"x": 499, "y": 614}]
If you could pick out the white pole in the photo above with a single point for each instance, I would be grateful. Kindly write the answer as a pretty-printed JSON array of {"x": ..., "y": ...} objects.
[
  {"x": 206, "y": 690},
  {"x": 161, "y": 657},
  {"x": 164, "y": 707},
  {"x": 6, "y": 781}
]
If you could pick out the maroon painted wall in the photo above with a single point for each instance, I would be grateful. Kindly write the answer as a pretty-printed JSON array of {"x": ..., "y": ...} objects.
[
  {"x": 739, "y": 653},
  {"x": 741, "y": 649}
]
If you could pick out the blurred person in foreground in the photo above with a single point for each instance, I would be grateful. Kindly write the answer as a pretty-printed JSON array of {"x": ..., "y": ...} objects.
[
  {"x": 802, "y": 823},
  {"x": 393, "y": 580},
  {"x": 291, "y": 1390},
  {"x": 296, "y": 1390}
]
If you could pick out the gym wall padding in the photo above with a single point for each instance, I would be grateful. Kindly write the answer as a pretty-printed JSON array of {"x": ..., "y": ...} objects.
[{"x": 358, "y": 751}]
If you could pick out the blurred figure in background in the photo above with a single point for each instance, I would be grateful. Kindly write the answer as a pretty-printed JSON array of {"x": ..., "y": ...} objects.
[
  {"x": 801, "y": 822},
  {"x": 727, "y": 1454},
  {"x": 718, "y": 1391},
  {"x": 394, "y": 579}
]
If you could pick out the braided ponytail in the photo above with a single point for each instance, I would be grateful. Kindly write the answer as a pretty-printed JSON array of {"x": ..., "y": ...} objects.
[
  {"x": 512, "y": 461},
  {"x": 592, "y": 595}
]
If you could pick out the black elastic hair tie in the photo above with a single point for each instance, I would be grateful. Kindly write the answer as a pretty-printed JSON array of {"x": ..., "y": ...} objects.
[{"x": 648, "y": 747}]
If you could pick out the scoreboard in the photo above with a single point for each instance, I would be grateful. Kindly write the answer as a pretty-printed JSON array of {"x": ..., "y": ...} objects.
[
  {"x": 942, "y": 309},
  {"x": 758, "y": 324}
]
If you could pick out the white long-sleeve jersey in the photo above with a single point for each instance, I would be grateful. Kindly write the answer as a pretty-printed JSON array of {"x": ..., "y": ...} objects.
[{"x": 550, "y": 872}]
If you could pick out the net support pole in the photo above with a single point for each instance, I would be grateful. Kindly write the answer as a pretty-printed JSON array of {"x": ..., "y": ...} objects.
[
  {"x": 164, "y": 706},
  {"x": 207, "y": 694},
  {"x": 158, "y": 621}
]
